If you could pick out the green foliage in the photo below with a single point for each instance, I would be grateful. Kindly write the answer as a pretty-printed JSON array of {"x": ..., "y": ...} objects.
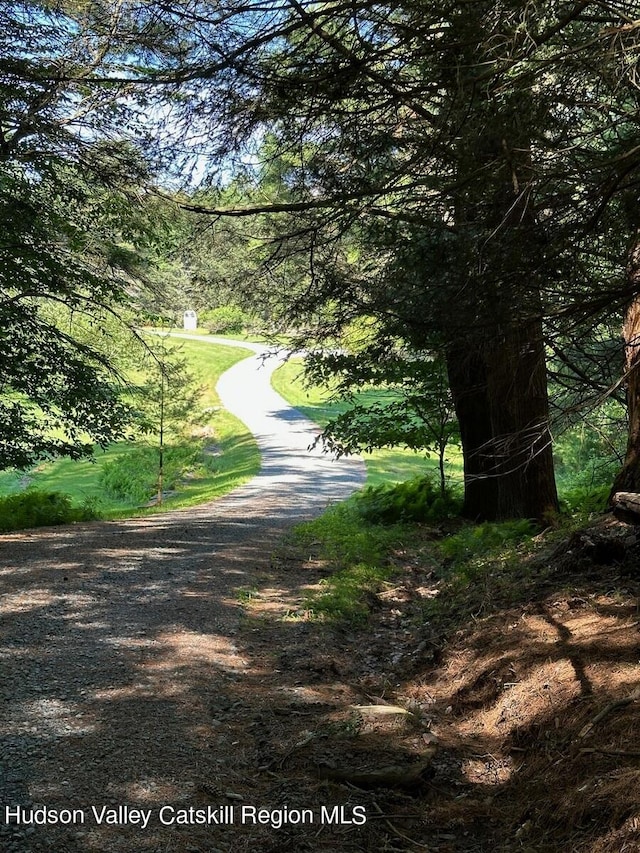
[
  {"x": 442, "y": 195},
  {"x": 38, "y": 509},
  {"x": 68, "y": 225},
  {"x": 345, "y": 538},
  {"x": 59, "y": 395},
  {"x": 168, "y": 403},
  {"x": 359, "y": 334},
  {"x": 584, "y": 500},
  {"x": 226, "y": 319},
  {"x": 133, "y": 476},
  {"x": 413, "y": 409},
  {"x": 246, "y": 594},
  {"x": 357, "y": 552},
  {"x": 345, "y": 596},
  {"x": 587, "y": 457},
  {"x": 168, "y": 400},
  {"x": 414, "y": 500},
  {"x": 383, "y": 464},
  {"x": 480, "y": 539},
  {"x": 589, "y": 454},
  {"x": 234, "y": 460}
]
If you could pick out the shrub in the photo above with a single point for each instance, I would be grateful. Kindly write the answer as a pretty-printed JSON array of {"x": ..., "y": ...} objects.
[
  {"x": 585, "y": 499},
  {"x": 35, "y": 508},
  {"x": 357, "y": 552},
  {"x": 413, "y": 500},
  {"x": 346, "y": 594},
  {"x": 226, "y": 319},
  {"x": 589, "y": 454},
  {"x": 133, "y": 476},
  {"x": 344, "y": 539},
  {"x": 482, "y": 538}
]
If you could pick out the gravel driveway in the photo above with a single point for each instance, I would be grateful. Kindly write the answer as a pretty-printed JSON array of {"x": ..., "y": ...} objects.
[{"x": 119, "y": 657}]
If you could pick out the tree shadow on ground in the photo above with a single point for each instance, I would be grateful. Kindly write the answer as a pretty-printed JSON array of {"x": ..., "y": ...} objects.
[
  {"x": 156, "y": 667},
  {"x": 532, "y": 701}
]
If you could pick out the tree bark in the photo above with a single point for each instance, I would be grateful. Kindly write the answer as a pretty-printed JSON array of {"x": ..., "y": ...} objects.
[
  {"x": 500, "y": 396},
  {"x": 519, "y": 407},
  {"x": 628, "y": 480},
  {"x": 497, "y": 368},
  {"x": 468, "y": 382}
]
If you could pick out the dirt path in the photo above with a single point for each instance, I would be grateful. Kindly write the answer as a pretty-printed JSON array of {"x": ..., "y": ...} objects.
[{"x": 124, "y": 683}]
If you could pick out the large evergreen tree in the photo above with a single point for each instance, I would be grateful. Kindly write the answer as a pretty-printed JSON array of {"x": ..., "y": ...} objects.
[
  {"x": 461, "y": 172},
  {"x": 452, "y": 171},
  {"x": 409, "y": 143}
]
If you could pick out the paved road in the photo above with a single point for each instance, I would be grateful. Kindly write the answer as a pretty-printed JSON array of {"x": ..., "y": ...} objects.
[{"x": 306, "y": 480}]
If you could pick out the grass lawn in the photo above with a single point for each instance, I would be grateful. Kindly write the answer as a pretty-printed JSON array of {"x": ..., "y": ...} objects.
[
  {"x": 201, "y": 332},
  {"x": 237, "y": 457},
  {"x": 394, "y": 464}
]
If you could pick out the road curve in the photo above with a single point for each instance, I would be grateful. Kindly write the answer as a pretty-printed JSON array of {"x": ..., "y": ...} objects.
[
  {"x": 122, "y": 643},
  {"x": 305, "y": 478}
]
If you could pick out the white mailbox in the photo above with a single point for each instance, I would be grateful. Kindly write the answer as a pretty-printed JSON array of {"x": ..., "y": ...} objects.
[{"x": 190, "y": 321}]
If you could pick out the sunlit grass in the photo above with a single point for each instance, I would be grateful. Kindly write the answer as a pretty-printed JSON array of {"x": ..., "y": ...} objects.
[
  {"x": 201, "y": 332},
  {"x": 237, "y": 458},
  {"x": 78, "y": 478}
]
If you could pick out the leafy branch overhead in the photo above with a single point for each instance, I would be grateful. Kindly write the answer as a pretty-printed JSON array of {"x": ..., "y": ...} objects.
[{"x": 462, "y": 174}]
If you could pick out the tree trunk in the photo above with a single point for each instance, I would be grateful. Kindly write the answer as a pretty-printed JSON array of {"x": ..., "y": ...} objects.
[
  {"x": 500, "y": 395},
  {"x": 468, "y": 382},
  {"x": 500, "y": 384},
  {"x": 628, "y": 480},
  {"x": 627, "y": 502},
  {"x": 519, "y": 407}
]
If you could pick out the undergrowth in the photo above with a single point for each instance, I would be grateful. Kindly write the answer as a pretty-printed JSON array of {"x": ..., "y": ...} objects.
[
  {"x": 349, "y": 593},
  {"x": 41, "y": 509},
  {"x": 133, "y": 476},
  {"x": 478, "y": 540},
  {"x": 345, "y": 538},
  {"x": 584, "y": 500},
  {"x": 482, "y": 567},
  {"x": 360, "y": 541},
  {"x": 358, "y": 538},
  {"x": 357, "y": 553},
  {"x": 414, "y": 500}
]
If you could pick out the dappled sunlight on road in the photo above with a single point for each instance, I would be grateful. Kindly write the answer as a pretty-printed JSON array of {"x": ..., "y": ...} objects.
[
  {"x": 51, "y": 718},
  {"x": 119, "y": 639},
  {"x": 180, "y": 646}
]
